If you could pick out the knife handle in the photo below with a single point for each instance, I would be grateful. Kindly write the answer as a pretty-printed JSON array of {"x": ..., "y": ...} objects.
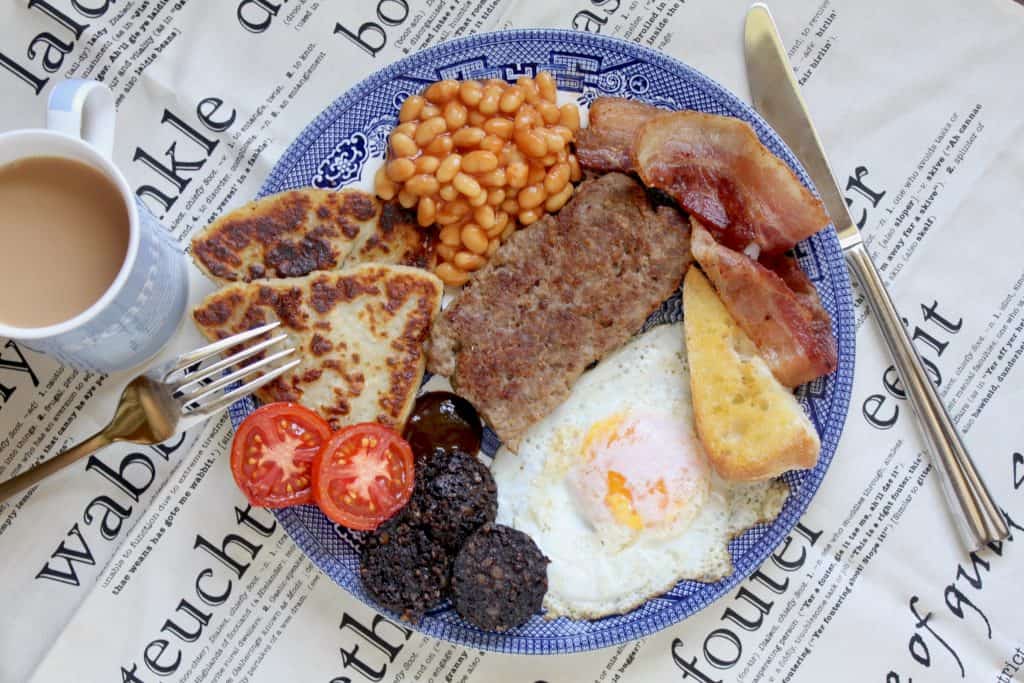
[{"x": 977, "y": 518}]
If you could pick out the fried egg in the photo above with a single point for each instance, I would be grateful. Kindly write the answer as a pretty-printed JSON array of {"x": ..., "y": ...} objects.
[{"x": 615, "y": 488}]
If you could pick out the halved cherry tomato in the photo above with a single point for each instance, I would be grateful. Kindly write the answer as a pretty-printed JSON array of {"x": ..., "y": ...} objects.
[
  {"x": 363, "y": 475},
  {"x": 273, "y": 451}
]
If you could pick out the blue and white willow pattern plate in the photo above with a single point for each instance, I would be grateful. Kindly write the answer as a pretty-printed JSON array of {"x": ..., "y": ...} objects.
[{"x": 344, "y": 146}]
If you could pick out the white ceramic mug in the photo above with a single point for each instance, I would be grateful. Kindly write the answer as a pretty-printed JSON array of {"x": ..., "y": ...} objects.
[{"x": 140, "y": 311}]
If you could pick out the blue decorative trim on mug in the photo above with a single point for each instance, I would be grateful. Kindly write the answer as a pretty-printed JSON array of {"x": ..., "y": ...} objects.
[{"x": 63, "y": 95}]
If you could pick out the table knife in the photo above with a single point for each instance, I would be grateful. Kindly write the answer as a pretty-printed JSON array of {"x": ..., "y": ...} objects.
[{"x": 777, "y": 98}]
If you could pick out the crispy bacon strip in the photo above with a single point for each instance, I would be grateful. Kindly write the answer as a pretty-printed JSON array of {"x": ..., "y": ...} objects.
[
  {"x": 606, "y": 144},
  {"x": 716, "y": 168},
  {"x": 779, "y": 308}
]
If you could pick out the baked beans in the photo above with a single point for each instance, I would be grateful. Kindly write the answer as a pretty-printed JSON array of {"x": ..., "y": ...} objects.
[
  {"x": 481, "y": 159},
  {"x": 474, "y": 238},
  {"x": 451, "y": 275},
  {"x": 448, "y": 192},
  {"x": 531, "y": 196},
  {"x": 427, "y": 164},
  {"x": 447, "y": 169}
]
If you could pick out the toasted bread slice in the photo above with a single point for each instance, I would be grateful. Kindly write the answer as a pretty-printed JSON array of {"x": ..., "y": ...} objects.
[
  {"x": 752, "y": 426},
  {"x": 294, "y": 233},
  {"x": 359, "y": 333}
]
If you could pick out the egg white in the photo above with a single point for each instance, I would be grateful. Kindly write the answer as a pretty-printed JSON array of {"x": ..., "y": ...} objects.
[{"x": 598, "y": 570}]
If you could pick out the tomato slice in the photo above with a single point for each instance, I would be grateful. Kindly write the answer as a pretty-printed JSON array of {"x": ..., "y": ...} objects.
[
  {"x": 273, "y": 451},
  {"x": 363, "y": 475}
]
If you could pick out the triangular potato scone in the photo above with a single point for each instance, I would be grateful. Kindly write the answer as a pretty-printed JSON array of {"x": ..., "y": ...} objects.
[
  {"x": 752, "y": 426},
  {"x": 359, "y": 333},
  {"x": 294, "y": 233}
]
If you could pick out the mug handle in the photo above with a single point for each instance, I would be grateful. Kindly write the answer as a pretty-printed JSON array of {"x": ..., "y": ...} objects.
[{"x": 85, "y": 110}]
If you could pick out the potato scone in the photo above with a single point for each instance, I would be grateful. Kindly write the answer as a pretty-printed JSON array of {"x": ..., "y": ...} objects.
[
  {"x": 359, "y": 333},
  {"x": 752, "y": 427},
  {"x": 294, "y": 233}
]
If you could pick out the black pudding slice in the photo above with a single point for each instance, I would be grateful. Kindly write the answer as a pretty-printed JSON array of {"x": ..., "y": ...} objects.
[
  {"x": 404, "y": 569},
  {"x": 455, "y": 495},
  {"x": 499, "y": 578}
]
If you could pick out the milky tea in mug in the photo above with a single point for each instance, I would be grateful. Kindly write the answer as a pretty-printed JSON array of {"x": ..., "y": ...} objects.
[
  {"x": 65, "y": 236},
  {"x": 90, "y": 277}
]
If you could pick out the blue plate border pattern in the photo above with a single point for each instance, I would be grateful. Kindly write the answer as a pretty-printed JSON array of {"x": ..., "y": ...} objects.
[{"x": 332, "y": 151}]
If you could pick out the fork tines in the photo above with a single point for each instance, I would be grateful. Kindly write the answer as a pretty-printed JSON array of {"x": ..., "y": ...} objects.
[{"x": 200, "y": 389}]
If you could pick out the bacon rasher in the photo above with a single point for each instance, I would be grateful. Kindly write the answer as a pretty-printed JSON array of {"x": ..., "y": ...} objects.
[
  {"x": 606, "y": 144},
  {"x": 777, "y": 306},
  {"x": 714, "y": 166}
]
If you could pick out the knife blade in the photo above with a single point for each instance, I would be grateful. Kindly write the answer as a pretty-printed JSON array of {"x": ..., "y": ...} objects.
[{"x": 776, "y": 96}]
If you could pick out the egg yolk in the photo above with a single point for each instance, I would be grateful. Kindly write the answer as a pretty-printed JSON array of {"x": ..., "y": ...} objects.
[
  {"x": 619, "y": 500},
  {"x": 639, "y": 472}
]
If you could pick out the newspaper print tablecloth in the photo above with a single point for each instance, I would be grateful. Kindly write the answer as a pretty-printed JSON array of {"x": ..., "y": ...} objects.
[{"x": 144, "y": 564}]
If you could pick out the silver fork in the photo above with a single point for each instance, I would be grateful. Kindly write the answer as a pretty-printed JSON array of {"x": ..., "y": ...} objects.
[{"x": 173, "y": 397}]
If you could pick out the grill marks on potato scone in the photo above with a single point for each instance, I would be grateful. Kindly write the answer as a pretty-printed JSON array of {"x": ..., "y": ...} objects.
[
  {"x": 294, "y": 233},
  {"x": 359, "y": 334}
]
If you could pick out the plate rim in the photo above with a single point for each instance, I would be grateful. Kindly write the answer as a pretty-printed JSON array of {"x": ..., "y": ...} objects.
[{"x": 842, "y": 392}]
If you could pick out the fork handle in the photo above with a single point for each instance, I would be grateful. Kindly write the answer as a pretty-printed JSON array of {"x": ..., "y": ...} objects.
[
  {"x": 976, "y": 515},
  {"x": 19, "y": 483}
]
